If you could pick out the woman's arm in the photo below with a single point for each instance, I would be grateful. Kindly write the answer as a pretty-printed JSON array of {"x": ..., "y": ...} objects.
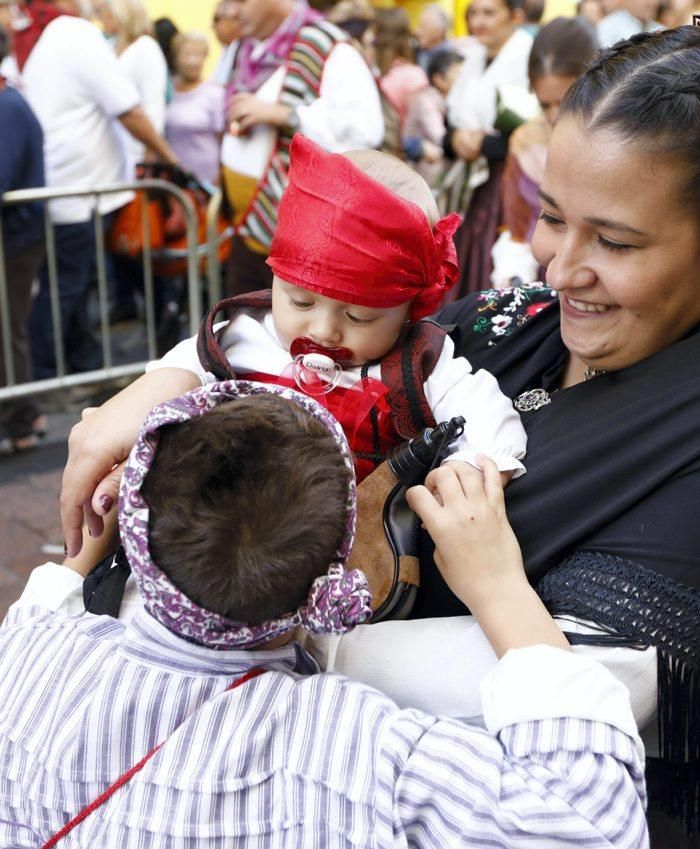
[
  {"x": 479, "y": 556},
  {"x": 562, "y": 762},
  {"x": 99, "y": 444}
]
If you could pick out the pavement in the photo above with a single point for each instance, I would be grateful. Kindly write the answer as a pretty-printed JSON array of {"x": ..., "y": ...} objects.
[
  {"x": 30, "y": 482},
  {"x": 30, "y": 525},
  {"x": 30, "y": 486}
]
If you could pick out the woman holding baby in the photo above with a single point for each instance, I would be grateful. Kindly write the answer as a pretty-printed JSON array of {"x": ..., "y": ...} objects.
[{"x": 602, "y": 364}]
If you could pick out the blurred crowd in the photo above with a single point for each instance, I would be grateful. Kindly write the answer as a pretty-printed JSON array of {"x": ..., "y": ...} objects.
[{"x": 90, "y": 90}]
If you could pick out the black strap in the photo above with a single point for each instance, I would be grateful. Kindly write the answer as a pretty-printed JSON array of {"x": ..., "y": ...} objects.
[{"x": 103, "y": 589}]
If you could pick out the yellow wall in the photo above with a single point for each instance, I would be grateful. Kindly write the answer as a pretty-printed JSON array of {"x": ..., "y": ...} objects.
[
  {"x": 185, "y": 13},
  {"x": 188, "y": 14},
  {"x": 457, "y": 8}
]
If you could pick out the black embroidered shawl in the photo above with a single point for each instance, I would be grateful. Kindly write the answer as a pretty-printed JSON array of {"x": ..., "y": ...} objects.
[{"x": 607, "y": 512}]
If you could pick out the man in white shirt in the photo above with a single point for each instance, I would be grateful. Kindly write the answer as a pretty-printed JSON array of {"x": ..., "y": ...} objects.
[
  {"x": 80, "y": 95},
  {"x": 294, "y": 72},
  {"x": 632, "y": 17}
]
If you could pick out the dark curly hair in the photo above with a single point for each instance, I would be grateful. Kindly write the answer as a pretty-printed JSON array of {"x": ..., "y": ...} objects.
[{"x": 247, "y": 506}]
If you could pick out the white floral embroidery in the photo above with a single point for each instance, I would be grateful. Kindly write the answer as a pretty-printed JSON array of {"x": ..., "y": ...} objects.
[{"x": 500, "y": 322}]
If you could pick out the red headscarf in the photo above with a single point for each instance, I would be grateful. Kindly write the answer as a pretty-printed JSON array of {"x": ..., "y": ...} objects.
[{"x": 344, "y": 235}]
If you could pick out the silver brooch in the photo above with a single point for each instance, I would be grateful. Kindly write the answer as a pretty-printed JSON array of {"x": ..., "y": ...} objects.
[{"x": 531, "y": 400}]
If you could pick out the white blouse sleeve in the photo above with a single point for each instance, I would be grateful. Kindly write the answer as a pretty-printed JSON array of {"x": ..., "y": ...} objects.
[
  {"x": 493, "y": 427},
  {"x": 347, "y": 113},
  {"x": 184, "y": 355},
  {"x": 152, "y": 76}
]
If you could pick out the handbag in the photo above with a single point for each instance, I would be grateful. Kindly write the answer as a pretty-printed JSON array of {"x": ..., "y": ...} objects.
[
  {"x": 126, "y": 235},
  {"x": 167, "y": 225}
]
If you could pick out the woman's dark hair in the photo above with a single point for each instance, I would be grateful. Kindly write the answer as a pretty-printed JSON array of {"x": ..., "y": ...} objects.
[
  {"x": 534, "y": 9},
  {"x": 355, "y": 27},
  {"x": 565, "y": 48},
  {"x": 442, "y": 61},
  {"x": 165, "y": 31},
  {"x": 4, "y": 44},
  {"x": 392, "y": 38},
  {"x": 647, "y": 90}
]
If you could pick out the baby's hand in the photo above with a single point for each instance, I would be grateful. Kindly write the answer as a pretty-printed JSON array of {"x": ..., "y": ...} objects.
[{"x": 463, "y": 510}]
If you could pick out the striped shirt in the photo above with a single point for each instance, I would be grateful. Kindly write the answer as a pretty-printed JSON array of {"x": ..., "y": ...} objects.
[{"x": 293, "y": 758}]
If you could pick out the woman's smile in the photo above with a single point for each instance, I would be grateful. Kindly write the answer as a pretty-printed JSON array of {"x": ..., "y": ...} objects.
[{"x": 587, "y": 307}]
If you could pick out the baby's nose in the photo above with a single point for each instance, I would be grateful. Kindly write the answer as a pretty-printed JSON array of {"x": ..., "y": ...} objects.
[{"x": 325, "y": 330}]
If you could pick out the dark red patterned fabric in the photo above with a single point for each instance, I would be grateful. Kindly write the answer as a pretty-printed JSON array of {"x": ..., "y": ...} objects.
[
  {"x": 405, "y": 369},
  {"x": 343, "y": 402},
  {"x": 344, "y": 235}
]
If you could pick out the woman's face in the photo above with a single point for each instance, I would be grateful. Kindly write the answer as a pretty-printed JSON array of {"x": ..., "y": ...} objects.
[
  {"x": 109, "y": 23},
  {"x": 550, "y": 90},
  {"x": 619, "y": 245},
  {"x": 189, "y": 60},
  {"x": 492, "y": 23}
]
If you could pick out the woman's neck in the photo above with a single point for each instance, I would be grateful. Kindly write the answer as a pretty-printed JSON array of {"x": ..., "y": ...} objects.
[
  {"x": 186, "y": 85},
  {"x": 492, "y": 52},
  {"x": 121, "y": 46},
  {"x": 574, "y": 372}
]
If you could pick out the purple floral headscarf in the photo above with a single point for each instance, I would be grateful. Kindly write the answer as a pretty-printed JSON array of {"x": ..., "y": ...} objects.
[{"x": 337, "y": 601}]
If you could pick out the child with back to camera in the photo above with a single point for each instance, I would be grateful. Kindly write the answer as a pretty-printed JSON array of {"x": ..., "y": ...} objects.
[
  {"x": 359, "y": 257},
  {"x": 251, "y": 747}
]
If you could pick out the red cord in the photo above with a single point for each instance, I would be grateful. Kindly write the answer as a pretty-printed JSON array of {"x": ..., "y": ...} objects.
[{"x": 128, "y": 775}]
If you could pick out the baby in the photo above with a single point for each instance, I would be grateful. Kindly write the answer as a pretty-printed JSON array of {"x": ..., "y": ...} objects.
[{"x": 359, "y": 257}]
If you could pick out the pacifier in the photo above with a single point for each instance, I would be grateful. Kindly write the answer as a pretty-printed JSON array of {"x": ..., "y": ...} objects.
[
  {"x": 316, "y": 374},
  {"x": 304, "y": 345}
]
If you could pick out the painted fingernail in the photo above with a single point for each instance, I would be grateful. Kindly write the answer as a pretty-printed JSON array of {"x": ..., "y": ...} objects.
[
  {"x": 65, "y": 549},
  {"x": 89, "y": 532},
  {"x": 106, "y": 502}
]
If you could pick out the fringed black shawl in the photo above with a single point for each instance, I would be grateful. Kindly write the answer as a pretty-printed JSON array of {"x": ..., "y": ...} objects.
[{"x": 613, "y": 468}]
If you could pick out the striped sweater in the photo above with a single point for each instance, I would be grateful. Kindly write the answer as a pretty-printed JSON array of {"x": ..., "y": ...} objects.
[{"x": 295, "y": 759}]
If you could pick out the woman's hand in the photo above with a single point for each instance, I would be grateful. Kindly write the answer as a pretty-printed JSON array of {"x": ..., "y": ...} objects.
[
  {"x": 431, "y": 152},
  {"x": 479, "y": 557},
  {"x": 463, "y": 510},
  {"x": 467, "y": 144},
  {"x": 100, "y": 443}
]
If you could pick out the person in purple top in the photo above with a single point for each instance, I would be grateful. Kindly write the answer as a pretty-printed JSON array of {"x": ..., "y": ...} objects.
[{"x": 195, "y": 118}]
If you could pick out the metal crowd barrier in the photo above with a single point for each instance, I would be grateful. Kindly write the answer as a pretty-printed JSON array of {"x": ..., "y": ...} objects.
[{"x": 195, "y": 254}]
